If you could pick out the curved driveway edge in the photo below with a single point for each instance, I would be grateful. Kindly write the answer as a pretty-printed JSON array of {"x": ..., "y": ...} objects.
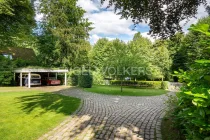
[{"x": 109, "y": 117}]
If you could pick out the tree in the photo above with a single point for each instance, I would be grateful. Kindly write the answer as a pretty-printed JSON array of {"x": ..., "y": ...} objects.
[
  {"x": 185, "y": 49},
  {"x": 163, "y": 16},
  {"x": 141, "y": 49},
  {"x": 99, "y": 53},
  {"x": 16, "y": 21},
  {"x": 162, "y": 59},
  {"x": 119, "y": 61},
  {"x": 63, "y": 24}
]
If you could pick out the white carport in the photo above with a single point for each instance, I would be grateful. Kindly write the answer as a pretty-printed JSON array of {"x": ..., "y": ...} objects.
[{"x": 39, "y": 70}]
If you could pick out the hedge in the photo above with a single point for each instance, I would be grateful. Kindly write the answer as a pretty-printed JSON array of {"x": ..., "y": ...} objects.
[
  {"x": 146, "y": 84},
  {"x": 85, "y": 79},
  {"x": 73, "y": 78}
]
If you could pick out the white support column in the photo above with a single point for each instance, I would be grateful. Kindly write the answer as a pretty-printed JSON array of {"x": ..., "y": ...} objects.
[
  {"x": 29, "y": 80},
  {"x": 65, "y": 79},
  {"x": 14, "y": 77},
  {"x": 21, "y": 79}
]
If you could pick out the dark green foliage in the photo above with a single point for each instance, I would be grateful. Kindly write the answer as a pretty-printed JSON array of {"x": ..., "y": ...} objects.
[
  {"x": 163, "y": 16},
  {"x": 185, "y": 49},
  {"x": 64, "y": 33},
  {"x": 6, "y": 68},
  {"x": 144, "y": 84},
  {"x": 85, "y": 79},
  {"x": 191, "y": 113},
  {"x": 73, "y": 78},
  {"x": 16, "y": 21}
]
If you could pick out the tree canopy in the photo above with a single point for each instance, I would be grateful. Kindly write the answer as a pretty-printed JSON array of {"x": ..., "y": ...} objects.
[
  {"x": 16, "y": 21},
  {"x": 163, "y": 16},
  {"x": 138, "y": 59},
  {"x": 64, "y": 33}
]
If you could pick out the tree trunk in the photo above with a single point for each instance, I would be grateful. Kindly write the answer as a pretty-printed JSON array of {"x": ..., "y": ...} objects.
[{"x": 121, "y": 86}]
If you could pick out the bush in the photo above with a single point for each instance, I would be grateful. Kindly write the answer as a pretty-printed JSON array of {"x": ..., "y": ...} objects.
[
  {"x": 98, "y": 78},
  {"x": 125, "y": 83},
  {"x": 146, "y": 84},
  {"x": 164, "y": 85},
  {"x": 6, "y": 78},
  {"x": 85, "y": 79},
  {"x": 192, "y": 114},
  {"x": 6, "y": 71},
  {"x": 73, "y": 78}
]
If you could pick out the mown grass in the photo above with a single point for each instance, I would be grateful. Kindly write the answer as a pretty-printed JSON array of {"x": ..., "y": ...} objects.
[
  {"x": 28, "y": 114},
  {"x": 127, "y": 91}
]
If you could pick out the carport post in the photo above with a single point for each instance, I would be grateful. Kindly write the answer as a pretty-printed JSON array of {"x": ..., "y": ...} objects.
[
  {"x": 29, "y": 80},
  {"x": 21, "y": 79},
  {"x": 14, "y": 77},
  {"x": 56, "y": 76},
  {"x": 65, "y": 79}
]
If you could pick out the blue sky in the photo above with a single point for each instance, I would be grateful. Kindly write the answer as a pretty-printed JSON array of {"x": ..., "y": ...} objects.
[{"x": 109, "y": 25}]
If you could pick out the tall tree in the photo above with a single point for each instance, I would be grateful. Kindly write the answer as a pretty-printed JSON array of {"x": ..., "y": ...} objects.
[
  {"x": 162, "y": 58},
  {"x": 16, "y": 21},
  {"x": 64, "y": 24},
  {"x": 99, "y": 53},
  {"x": 185, "y": 49},
  {"x": 163, "y": 16}
]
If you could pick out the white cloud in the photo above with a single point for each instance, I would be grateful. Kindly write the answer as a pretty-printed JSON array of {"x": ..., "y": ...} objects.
[
  {"x": 94, "y": 38},
  {"x": 105, "y": 4},
  {"x": 201, "y": 13},
  {"x": 39, "y": 17},
  {"x": 108, "y": 23},
  {"x": 145, "y": 34},
  {"x": 88, "y": 5}
]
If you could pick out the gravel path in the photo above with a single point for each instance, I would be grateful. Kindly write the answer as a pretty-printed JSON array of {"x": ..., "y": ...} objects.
[{"x": 111, "y": 117}]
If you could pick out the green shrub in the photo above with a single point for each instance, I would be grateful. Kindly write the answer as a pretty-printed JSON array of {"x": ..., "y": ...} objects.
[
  {"x": 164, "y": 85},
  {"x": 6, "y": 78},
  {"x": 6, "y": 71},
  {"x": 125, "y": 83},
  {"x": 98, "y": 78},
  {"x": 146, "y": 84},
  {"x": 73, "y": 77},
  {"x": 192, "y": 114},
  {"x": 85, "y": 79}
]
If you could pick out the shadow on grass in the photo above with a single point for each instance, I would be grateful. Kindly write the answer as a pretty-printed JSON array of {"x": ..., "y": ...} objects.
[{"x": 49, "y": 102}]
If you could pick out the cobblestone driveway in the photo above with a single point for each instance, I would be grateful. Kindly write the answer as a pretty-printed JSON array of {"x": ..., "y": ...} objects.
[{"x": 111, "y": 117}]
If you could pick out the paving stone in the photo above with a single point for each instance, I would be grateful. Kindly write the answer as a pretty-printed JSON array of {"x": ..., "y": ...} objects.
[{"x": 102, "y": 116}]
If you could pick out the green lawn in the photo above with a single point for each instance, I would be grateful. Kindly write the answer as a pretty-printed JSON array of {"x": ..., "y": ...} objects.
[
  {"x": 127, "y": 91},
  {"x": 28, "y": 114}
]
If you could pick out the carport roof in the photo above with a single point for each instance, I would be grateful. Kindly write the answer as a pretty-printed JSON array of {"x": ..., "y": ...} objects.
[{"x": 26, "y": 70}]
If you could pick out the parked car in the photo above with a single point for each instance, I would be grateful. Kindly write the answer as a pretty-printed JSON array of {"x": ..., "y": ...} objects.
[
  {"x": 51, "y": 81},
  {"x": 35, "y": 79}
]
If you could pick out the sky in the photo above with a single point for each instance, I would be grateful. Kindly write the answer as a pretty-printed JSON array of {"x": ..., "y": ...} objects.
[{"x": 108, "y": 24}]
